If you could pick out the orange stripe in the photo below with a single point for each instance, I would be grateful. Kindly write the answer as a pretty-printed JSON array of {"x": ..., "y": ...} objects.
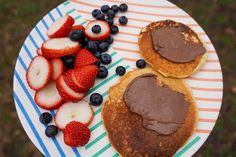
[
  {"x": 203, "y": 131},
  {"x": 126, "y": 41},
  {"x": 213, "y": 60},
  {"x": 130, "y": 59},
  {"x": 88, "y": 4},
  {"x": 210, "y": 70},
  {"x": 207, "y": 89},
  {"x": 124, "y": 49},
  {"x": 209, "y": 99},
  {"x": 209, "y": 110},
  {"x": 131, "y": 34},
  {"x": 211, "y": 51},
  {"x": 206, "y": 120},
  {"x": 205, "y": 79}
]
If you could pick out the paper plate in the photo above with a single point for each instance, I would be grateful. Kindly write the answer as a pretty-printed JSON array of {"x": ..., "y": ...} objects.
[{"x": 206, "y": 85}]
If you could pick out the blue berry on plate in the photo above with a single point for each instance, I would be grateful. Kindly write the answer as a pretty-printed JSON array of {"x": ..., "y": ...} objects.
[
  {"x": 105, "y": 8},
  {"x": 110, "y": 21},
  {"x": 102, "y": 72},
  {"x": 97, "y": 55},
  {"x": 103, "y": 46},
  {"x": 120, "y": 70},
  {"x": 45, "y": 118},
  {"x": 123, "y": 7},
  {"x": 114, "y": 29},
  {"x": 123, "y": 20},
  {"x": 92, "y": 46},
  {"x": 141, "y": 63},
  {"x": 110, "y": 40},
  {"x": 76, "y": 35},
  {"x": 100, "y": 17},
  {"x": 96, "y": 29},
  {"x": 96, "y": 12},
  {"x": 111, "y": 13},
  {"x": 51, "y": 131},
  {"x": 105, "y": 58},
  {"x": 68, "y": 61},
  {"x": 115, "y": 8},
  {"x": 96, "y": 99}
]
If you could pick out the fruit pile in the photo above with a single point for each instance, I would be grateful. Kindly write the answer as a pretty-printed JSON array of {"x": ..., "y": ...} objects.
[{"x": 66, "y": 67}]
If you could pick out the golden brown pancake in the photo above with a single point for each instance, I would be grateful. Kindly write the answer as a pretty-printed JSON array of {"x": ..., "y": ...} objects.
[
  {"x": 125, "y": 129},
  {"x": 167, "y": 67}
]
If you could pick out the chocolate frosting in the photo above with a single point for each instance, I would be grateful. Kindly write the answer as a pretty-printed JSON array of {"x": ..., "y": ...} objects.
[
  {"x": 161, "y": 108},
  {"x": 171, "y": 44}
]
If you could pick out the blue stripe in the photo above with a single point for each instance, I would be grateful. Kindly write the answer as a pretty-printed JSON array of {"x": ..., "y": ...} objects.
[
  {"x": 40, "y": 34},
  {"x": 83, "y": 23},
  {"x": 27, "y": 51},
  {"x": 46, "y": 153},
  {"x": 59, "y": 12},
  {"x": 33, "y": 41},
  {"x": 45, "y": 24},
  {"x": 76, "y": 152},
  {"x": 22, "y": 63},
  {"x": 50, "y": 15}
]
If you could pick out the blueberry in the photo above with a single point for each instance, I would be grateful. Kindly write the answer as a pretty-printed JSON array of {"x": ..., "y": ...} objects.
[
  {"x": 120, "y": 70},
  {"x": 68, "y": 61},
  {"x": 105, "y": 8},
  {"x": 100, "y": 17},
  {"x": 105, "y": 58},
  {"x": 110, "y": 40},
  {"x": 102, "y": 72},
  {"x": 97, "y": 55},
  {"x": 96, "y": 12},
  {"x": 123, "y": 7},
  {"x": 96, "y": 29},
  {"x": 141, "y": 63},
  {"x": 103, "y": 46},
  {"x": 51, "y": 131},
  {"x": 110, "y": 21},
  {"x": 45, "y": 118},
  {"x": 114, "y": 29},
  {"x": 123, "y": 20},
  {"x": 98, "y": 63},
  {"x": 111, "y": 13},
  {"x": 76, "y": 35},
  {"x": 92, "y": 46},
  {"x": 96, "y": 99},
  {"x": 115, "y": 8}
]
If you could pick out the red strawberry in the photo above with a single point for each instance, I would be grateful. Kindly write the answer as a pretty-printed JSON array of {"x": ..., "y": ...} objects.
[
  {"x": 76, "y": 134},
  {"x": 61, "y": 27},
  {"x": 84, "y": 57},
  {"x": 58, "y": 68},
  {"x": 66, "y": 92},
  {"x": 48, "y": 97},
  {"x": 58, "y": 47},
  {"x": 105, "y": 30},
  {"x": 39, "y": 51},
  {"x": 39, "y": 73},
  {"x": 69, "y": 80},
  {"x": 78, "y": 27},
  {"x": 86, "y": 76}
]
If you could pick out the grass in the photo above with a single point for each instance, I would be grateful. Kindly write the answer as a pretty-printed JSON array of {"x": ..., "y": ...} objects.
[{"x": 217, "y": 17}]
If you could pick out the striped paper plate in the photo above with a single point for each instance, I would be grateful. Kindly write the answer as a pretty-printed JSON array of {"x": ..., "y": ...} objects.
[{"x": 207, "y": 84}]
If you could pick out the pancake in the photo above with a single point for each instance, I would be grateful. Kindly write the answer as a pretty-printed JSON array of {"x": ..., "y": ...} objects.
[
  {"x": 125, "y": 128},
  {"x": 172, "y": 64}
]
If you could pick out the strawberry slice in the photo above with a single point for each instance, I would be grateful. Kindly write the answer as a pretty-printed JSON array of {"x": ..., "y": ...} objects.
[
  {"x": 78, "y": 27},
  {"x": 59, "y": 47},
  {"x": 61, "y": 27},
  {"x": 48, "y": 97},
  {"x": 39, "y": 73},
  {"x": 66, "y": 92},
  {"x": 86, "y": 76},
  {"x": 84, "y": 57},
  {"x": 58, "y": 68},
  {"x": 105, "y": 30},
  {"x": 39, "y": 52}
]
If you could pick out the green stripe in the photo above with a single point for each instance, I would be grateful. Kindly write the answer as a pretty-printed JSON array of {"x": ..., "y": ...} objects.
[
  {"x": 115, "y": 155},
  {"x": 113, "y": 54},
  {"x": 102, "y": 150},
  {"x": 95, "y": 141},
  {"x": 105, "y": 94},
  {"x": 98, "y": 111},
  {"x": 96, "y": 126},
  {"x": 66, "y": 3},
  {"x": 71, "y": 11},
  {"x": 83, "y": 23},
  {"x": 115, "y": 63},
  {"x": 187, "y": 147},
  {"x": 76, "y": 18}
]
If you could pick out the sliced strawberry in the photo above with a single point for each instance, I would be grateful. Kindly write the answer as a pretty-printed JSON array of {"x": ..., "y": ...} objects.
[
  {"x": 86, "y": 76},
  {"x": 39, "y": 73},
  {"x": 58, "y": 47},
  {"x": 48, "y": 97},
  {"x": 39, "y": 52},
  {"x": 78, "y": 111},
  {"x": 78, "y": 27},
  {"x": 80, "y": 87},
  {"x": 69, "y": 81},
  {"x": 105, "y": 30},
  {"x": 66, "y": 92},
  {"x": 61, "y": 27},
  {"x": 84, "y": 57},
  {"x": 58, "y": 68}
]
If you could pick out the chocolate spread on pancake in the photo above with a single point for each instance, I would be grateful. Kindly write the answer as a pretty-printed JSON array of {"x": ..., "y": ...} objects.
[
  {"x": 161, "y": 108},
  {"x": 171, "y": 44}
]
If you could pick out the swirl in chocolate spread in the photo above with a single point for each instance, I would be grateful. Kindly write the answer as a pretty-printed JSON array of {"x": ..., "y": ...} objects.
[{"x": 161, "y": 108}]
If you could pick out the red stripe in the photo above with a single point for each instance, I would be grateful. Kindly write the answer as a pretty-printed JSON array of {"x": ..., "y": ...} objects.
[
  {"x": 209, "y": 109},
  {"x": 206, "y": 120},
  {"x": 207, "y": 89},
  {"x": 209, "y": 99},
  {"x": 203, "y": 131}
]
